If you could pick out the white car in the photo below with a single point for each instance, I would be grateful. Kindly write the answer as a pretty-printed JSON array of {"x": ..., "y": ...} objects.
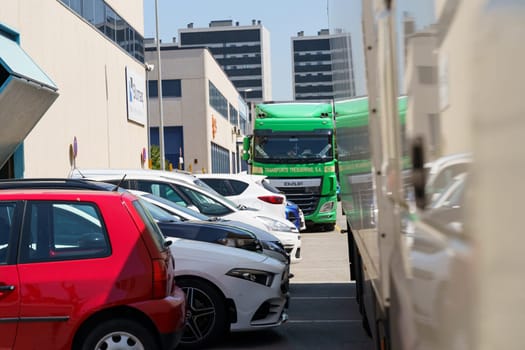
[
  {"x": 251, "y": 190},
  {"x": 207, "y": 202},
  {"x": 441, "y": 172},
  {"x": 175, "y": 174},
  {"x": 228, "y": 289},
  {"x": 175, "y": 219}
]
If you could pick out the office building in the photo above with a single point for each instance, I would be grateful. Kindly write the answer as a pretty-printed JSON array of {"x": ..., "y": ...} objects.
[
  {"x": 204, "y": 116},
  {"x": 322, "y": 66},
  {"x": 92, "y": 51},
  {"x": 243, "y": 52}
]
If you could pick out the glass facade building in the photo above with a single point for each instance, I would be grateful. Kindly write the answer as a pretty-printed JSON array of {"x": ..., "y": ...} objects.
[
  {"x": 322, "y": 66},
  {"x": 241, "y": 51},
  {"x": 109, "y": 23}
]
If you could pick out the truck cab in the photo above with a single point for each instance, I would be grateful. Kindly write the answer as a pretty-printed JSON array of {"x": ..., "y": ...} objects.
[{"x": 293, "y": 144}]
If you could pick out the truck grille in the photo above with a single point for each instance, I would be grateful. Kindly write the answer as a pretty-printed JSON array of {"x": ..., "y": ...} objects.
[
  {"x": 306, "y": 201},
  {"x": 303, "y": 191}
]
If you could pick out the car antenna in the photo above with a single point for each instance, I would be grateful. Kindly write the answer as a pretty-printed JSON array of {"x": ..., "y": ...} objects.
[{"x": 119, "y": 183}]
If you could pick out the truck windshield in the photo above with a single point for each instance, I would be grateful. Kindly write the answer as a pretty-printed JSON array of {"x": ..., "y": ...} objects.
[{"x": 293, "y": 148}]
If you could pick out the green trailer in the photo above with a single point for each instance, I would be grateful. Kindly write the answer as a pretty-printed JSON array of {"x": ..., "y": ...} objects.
[{"x": 355, "y": 177}]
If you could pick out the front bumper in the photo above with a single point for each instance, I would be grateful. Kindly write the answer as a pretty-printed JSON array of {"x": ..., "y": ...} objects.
[
  {"x": 258, "y": 306},
  {"x": 293, "y": 247}
]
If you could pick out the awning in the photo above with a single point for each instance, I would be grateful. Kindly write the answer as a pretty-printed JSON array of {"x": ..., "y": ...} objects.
[{"x": 26, "y": 93}]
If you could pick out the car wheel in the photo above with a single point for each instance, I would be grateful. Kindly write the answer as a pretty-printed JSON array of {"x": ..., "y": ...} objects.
[
  {"x": 119, "y": 334},
  {"x": 205, "y": 312}
]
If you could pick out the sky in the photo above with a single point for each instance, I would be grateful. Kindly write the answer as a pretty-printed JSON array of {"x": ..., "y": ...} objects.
[{"x": 283, "y": 19}]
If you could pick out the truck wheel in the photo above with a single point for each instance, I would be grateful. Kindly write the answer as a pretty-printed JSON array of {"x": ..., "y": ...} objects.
[
  {"x": 206, "y": 314},
  {"x": 119, "y": 334}
]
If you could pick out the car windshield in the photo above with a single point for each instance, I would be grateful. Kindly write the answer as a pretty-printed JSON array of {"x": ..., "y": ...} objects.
[
  {"x": 205, "y": 203},
  {"x": 204, "y": 185},
  {"x": 178, "y": 208},
  {"x": 159, "y": 214},
  {"x": 266, "y": 184}
]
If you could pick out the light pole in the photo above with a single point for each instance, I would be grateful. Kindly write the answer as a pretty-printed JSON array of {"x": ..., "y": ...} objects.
[
  {"x": 149, "y": 67},
  {"x": 159, "y": 91}
]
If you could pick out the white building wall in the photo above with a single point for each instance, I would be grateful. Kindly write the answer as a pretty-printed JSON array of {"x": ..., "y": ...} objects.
[
  {"x": 266, "y": 64},
  {"x": 192, "y": 111},
  {"x": 89, "y": 71},
  {"x": 452, "y": 68}
]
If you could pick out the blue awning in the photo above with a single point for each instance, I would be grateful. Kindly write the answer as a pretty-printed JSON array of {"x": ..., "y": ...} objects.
[
  {"x": 18, "y": 63},
  {"x": 26, "y": 93}
]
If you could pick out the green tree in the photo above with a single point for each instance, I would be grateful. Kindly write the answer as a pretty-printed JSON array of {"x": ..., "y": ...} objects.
[{"x": 155, "y": 157}]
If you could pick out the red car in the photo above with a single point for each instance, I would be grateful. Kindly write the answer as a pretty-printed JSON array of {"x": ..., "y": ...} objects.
[{"x": 85, "y": 270}]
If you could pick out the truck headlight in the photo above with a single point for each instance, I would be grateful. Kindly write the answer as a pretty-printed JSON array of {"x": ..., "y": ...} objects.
[
  {"x": 327, "y": 207},
  {"x": 274, "y": 225},
  {"x": 262, "y": 277}
]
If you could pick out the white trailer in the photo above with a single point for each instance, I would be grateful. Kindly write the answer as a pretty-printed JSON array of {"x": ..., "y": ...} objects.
[{"x": 448, "y": 274}]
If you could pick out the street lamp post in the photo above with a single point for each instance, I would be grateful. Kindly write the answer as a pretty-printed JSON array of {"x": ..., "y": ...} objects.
[
  {"x": 149, "y": 67},
  {"x": 159, "y": 91}
]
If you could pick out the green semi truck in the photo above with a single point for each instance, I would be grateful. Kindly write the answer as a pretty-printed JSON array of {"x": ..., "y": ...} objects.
[{"x": 293, "y": 145}]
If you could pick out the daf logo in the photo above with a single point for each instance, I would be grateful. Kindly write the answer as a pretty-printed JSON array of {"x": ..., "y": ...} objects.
[{"x": 293, "y": 183}]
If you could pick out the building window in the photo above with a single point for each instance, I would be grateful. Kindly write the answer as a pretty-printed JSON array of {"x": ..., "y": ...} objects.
[
  {"x": 218, "y": 101},
  {"x": 234, "y": 116},
  {"x": 220, "y": 159},
  {"x": 113, "y": 26},
  {"x": 170, "y": 88}
]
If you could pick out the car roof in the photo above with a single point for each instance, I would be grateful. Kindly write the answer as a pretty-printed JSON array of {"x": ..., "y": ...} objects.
[
  {"x": 140, "y": 174},
  {"x": 55, "y": 183},
  {"x": 238, "y": 176},
  {"x": 436, "y": 165},
  {"x": 148, "y": 176},
  {"x": 52, "y": 193},
  {"x": 86, "y": 173}
]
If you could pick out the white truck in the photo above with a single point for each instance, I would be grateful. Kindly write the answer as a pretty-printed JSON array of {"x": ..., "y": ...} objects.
[{"x": 444, "y": 270}]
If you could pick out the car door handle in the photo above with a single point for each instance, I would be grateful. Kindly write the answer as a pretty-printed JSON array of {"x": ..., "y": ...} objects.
[{"x": 7, "y": 288}]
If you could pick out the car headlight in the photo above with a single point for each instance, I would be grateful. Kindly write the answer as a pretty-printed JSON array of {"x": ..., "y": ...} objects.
[
  {"x": 274, "y": 225},
  {"x": 243, "y": 243},
  {"x": 278, "y": 248},
  {"x": 262, "y": 277}
]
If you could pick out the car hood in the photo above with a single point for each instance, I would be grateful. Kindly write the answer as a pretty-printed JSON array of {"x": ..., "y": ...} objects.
[
  {"x": 261, "y": 234},
  {"x": 210, "y": 252}
]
